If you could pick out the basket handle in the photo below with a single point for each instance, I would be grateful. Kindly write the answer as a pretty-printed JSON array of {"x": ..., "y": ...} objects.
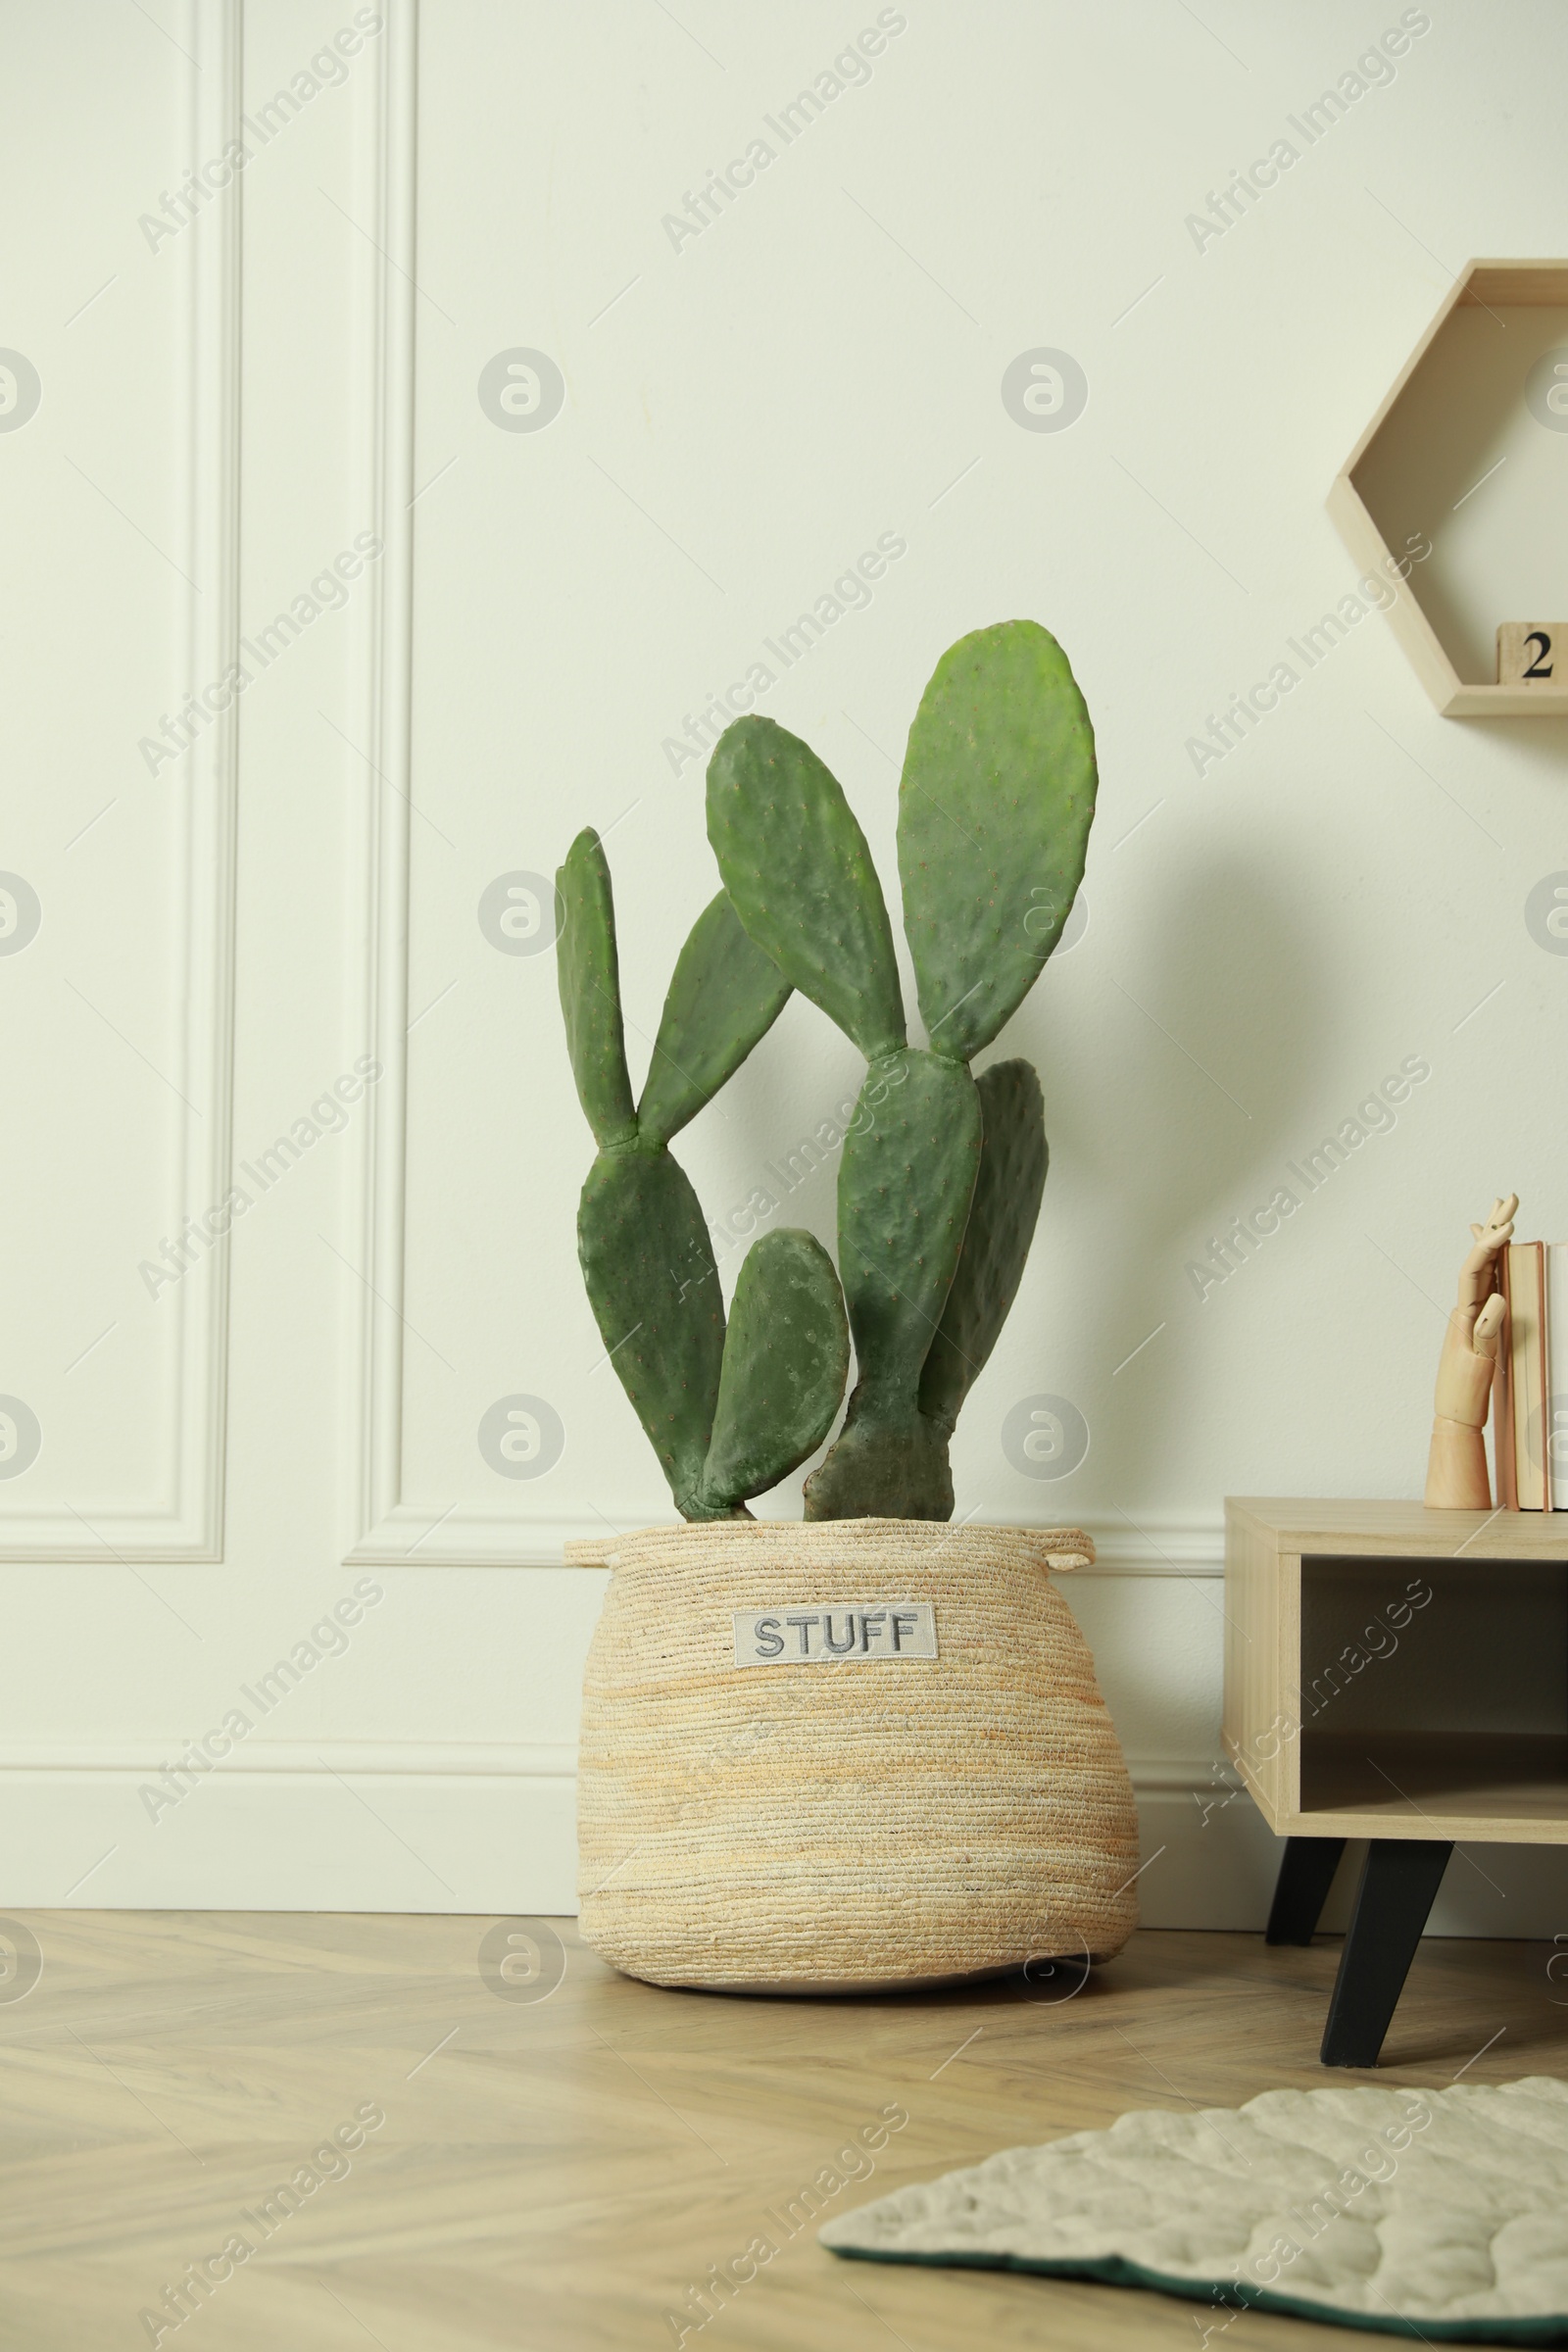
[{"x": 590, "y": 1551}]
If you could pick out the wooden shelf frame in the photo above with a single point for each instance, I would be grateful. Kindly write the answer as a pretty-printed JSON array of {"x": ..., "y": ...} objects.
[{"x": 1492, "y": 284}]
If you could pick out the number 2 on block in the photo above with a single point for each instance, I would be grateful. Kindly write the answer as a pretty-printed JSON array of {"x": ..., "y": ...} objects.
[{"x": 1526, "y": 652}]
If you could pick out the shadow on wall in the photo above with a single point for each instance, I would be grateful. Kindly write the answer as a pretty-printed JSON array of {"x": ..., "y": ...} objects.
[
  {"x": 1218, "y": 1036},
  {"x": 1217, "y": 1041},
  {"x": 1536, "y": 748}
]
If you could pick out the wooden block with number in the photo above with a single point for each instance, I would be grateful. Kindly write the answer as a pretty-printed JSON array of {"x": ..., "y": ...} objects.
[{"x": 1532, "y": 652}]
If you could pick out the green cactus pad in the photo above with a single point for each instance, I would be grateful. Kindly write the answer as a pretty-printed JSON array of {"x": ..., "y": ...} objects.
[
  {"x": 795, "y": 864},
  {"x": 589, "y": 976},
  {"x": 907, "y": 1175},
  {"x": 1003, "y": 1214},
  {"x": 786, "y": 1358},
  {"x": 904, "y": 1187},
  {"x": 649, "y": 1266},
  {"x": 725, "y": 995},
  {"x": 993, "y": 815}
]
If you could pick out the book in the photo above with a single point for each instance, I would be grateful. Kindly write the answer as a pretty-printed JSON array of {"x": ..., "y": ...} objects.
[
  {"x": 1524, "y": 1385},
  {"x": 1506, "y": 1485},
  {"x": 1555, "y": 1442},
  {"x": 1527, "y": 1311}
]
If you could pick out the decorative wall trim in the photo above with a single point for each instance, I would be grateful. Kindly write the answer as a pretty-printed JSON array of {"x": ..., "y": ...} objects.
[
  {"x": 411, "y": 1535},
  {"x": 396, "y": 1759},
  {"x": 1155, "y": 1544},
  {"x": 488, "y": 1829},
  {"x": 385, "y": 688},
  {"x": 187, "y": 1522},
  {"x": 475, "y": 1759},
  {"x": 1180, "y": 1775}
]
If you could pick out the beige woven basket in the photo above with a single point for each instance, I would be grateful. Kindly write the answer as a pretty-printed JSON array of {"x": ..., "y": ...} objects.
[{"x": 850, "y": 1819}]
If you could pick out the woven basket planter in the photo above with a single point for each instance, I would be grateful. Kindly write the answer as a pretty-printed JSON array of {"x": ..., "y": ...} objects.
[{"x": 865, "y": 1814}]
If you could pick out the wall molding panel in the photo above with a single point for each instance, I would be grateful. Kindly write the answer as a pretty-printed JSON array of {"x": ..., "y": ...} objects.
[
  {"x": 186, "y": 1523},
  {"x": 385, "y": 1526}
]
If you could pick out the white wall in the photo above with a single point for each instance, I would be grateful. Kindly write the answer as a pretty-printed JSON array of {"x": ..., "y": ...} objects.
[{"x": 745, "y": 410}]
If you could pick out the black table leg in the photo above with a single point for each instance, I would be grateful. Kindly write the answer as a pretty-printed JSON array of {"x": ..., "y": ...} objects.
[
  {"x": 1402, "y": 1877},
  {"x": 1306, "y": 1874}
]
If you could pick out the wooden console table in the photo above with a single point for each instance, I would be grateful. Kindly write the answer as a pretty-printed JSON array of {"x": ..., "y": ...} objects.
[{"x": 1401, "y": 1675}]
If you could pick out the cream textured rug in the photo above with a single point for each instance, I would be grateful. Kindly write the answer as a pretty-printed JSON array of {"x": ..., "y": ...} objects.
[{"x": 1440, "y": 2214}]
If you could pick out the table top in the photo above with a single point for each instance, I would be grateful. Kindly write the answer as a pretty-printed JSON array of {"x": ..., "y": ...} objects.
[{"x": 1397, "y": 1530}]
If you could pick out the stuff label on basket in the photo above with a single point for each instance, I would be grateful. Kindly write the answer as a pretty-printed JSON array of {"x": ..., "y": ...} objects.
[{"x": 804, "y": 1635}]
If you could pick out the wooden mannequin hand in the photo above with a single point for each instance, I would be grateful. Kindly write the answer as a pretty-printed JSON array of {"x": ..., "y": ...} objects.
[
  {"x": 1479, "y": 1271},
  {"x": 1457, "y": 1468},
  {"x": 1468, "y": 1363},
  {"x": 1470, "y": 1344}
]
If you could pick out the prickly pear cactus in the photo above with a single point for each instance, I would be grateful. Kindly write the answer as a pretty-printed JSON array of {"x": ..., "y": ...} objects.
[
  {"x": 728, "y": 1413},
  {"x": 941, "y": 1180}
]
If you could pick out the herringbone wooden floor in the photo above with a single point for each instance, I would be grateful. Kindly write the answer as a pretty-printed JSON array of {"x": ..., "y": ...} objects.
[{"x": 555, "y": 2170}]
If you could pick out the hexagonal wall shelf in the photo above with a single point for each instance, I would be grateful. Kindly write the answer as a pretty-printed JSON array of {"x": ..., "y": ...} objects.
[{"x": 1458, "y": 491}]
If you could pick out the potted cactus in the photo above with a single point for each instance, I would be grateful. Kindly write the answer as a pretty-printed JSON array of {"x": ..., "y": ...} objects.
[{"x": 926, "y": 1785}]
